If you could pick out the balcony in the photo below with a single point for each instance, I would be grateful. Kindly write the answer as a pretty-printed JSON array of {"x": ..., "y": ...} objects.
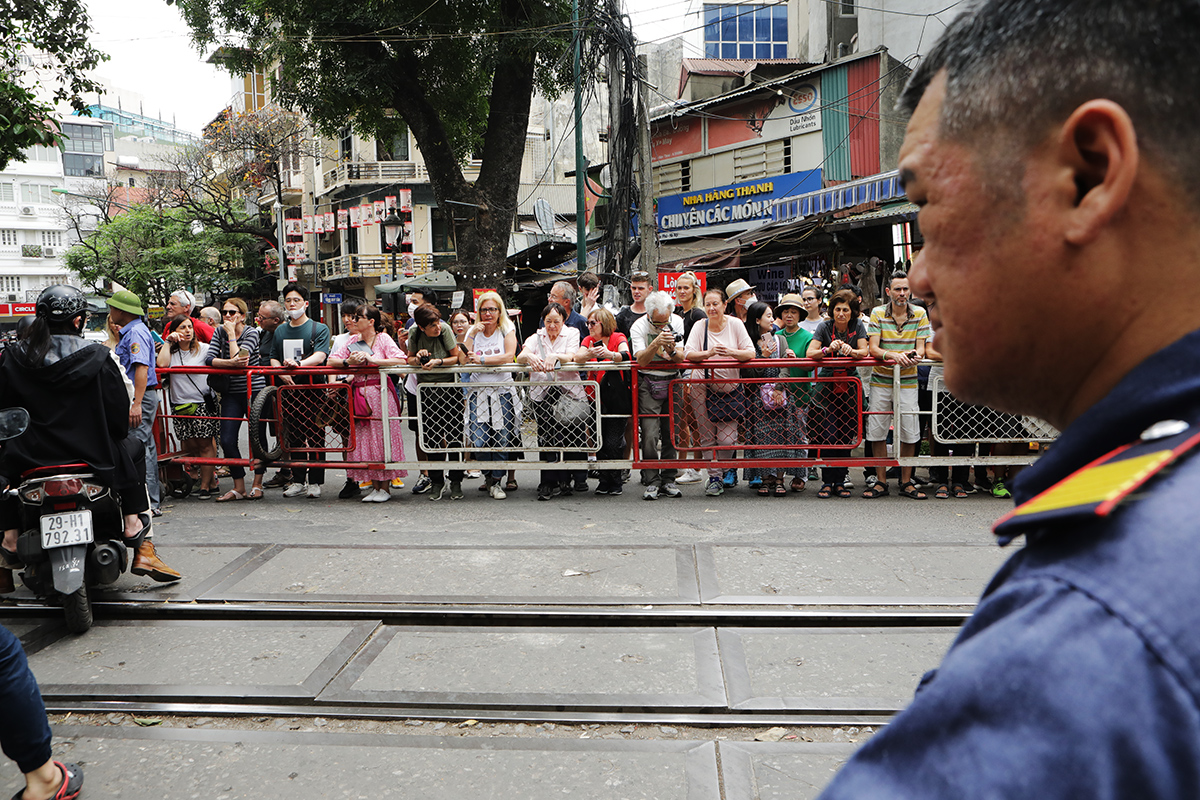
[
  {"x": 362, "y": 173},
  {"x": 373, "y": 266}
]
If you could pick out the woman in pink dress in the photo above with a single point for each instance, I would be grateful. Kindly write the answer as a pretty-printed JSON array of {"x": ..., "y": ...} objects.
[{"x": 370, "y": 346}]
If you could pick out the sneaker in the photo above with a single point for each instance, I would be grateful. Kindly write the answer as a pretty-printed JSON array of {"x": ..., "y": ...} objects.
[
  {"x": 564, "y": 489},
  {"x": 715, "y": 488},
  {"x": 615, "y": 490},
  {"x": 397, "y": 483},
  {"x": 438, "y": 491},
  {"x": 689, "y": 476},
  {"x": 295, "y": 490},
  {"x": 872, "y": 480},
  {"x": 601, "y": 490},
  {"x": 544, "y": 491},
  {"x": 377, "y": 496},
  {"x": 581, "y": 486},
  {"x": 281, "y": 480},
  {"x": 755, "y": 483},
  {"x": 350, "y": 489},
  {"x": 423, "y": 485},
  {"x": 496, "y": 492},
  {"x": 984, "y": 485},
  {"x": 625, "y": 475},
  {"x": 473, "y": 475},
  {"x": 813, "y": 474},
  {"x": 670, "y": 490},
  {"x": 314, "y": 490},
  {"x": 456, "y": 492},
  {"x": 651, "y": 492},
  {"x": 730, "y": 478},
  {"x": 364, "y": 485},
  {"x": 1000, "y": 490}
]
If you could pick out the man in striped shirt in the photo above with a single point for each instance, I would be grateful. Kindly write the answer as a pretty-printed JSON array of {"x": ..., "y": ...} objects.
[{"x": 898, "y": 331}]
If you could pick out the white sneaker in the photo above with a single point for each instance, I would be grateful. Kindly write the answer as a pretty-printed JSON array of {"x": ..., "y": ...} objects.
[
  {"x": 473, "y": 475},
  {"x": 382, "y": 495},
  {"x": 295, "y": 489},
  {"x": 688, "y": 476},
  {"x": 314, "y": 490},
  {"x": 370, "y": 496},
  {"x": 496, "y": 492},
  {"x": 651, "y": 492}
]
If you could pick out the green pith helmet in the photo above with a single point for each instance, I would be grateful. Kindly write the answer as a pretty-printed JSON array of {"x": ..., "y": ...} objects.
[{"x": 127, "y": 301}]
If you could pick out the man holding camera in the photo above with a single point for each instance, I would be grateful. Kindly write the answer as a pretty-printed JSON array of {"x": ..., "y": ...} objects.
[
  {"x": 658, "y": 336},
  {"x": 898, "y": 331}
]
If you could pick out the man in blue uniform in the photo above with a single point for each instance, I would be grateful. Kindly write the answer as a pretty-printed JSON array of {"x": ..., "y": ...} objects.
[{"x": 1053, "y": 153}]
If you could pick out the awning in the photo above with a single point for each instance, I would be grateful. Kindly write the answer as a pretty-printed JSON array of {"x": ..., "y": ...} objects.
[
  {"x": 696, "y": 254},
  {"x": 438, "y": 280},
  {"x": 888, "y": 215}
]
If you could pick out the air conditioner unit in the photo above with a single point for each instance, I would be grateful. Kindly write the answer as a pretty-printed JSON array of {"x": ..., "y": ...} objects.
[
  {"x": 12, "y": 298},
  {"x": 49, "y": 252},
  {"x": 27, "y": 211}
]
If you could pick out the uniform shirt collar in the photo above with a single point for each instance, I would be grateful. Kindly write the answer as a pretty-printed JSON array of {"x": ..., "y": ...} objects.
[{"x": 1164, "y": 386}]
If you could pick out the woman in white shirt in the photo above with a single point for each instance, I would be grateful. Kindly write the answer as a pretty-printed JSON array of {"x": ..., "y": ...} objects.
[
  {"x": 562, "y": 411},
  {"x": 720, "y": 405},
  {"x": 194, "y": 426},
  {"x": 492, "y": 398}
]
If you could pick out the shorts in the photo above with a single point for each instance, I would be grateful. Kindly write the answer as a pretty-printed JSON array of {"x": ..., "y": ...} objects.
[{"x": 878, "y": 424}]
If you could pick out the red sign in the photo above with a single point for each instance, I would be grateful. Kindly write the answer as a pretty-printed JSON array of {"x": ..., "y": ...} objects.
[
  {"x": 741, "y": 123},
  {"x": 19, "y": 309},
  {"x": 678, "y": 137},
  {"x": 666, "y": 282}
]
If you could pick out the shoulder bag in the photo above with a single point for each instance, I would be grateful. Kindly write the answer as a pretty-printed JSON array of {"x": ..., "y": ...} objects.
[{"x": 722, "y": 406}]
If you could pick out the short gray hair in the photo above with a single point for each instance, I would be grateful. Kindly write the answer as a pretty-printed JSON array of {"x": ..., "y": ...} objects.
[
  {"x": 568, "y": 291},
  {"x": 274, "y": 308},
  {"x": 658, "y": 302},
  {"x": 184, "y": 297},
  {"x": 1015, "y": 68}
]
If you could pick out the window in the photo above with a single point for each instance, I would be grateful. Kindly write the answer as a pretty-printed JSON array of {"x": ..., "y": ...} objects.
[
  {"x": 254, "y": 91},
  {"x": 846, "y": 8},
  {"x": 346, "y": 144},
  {"x": 36, "y": 193},
  {"x": 394, "y": 150},
  {"x": 108, "y": 138},
  {"x": 8, "y": 238},
  {"x": 52, "y": 239},
  {"x": 6, "y": 192},
  {"x": 10, "y": 284},
  {"x": 83, "y": 138},
  {"x": 443, "y": 231},
  {"x": 746, "y": 31},
  {"x": 41, "y": 153},
  {"x": 132, "y": 182},
  {"x": 76, "y": 165}
]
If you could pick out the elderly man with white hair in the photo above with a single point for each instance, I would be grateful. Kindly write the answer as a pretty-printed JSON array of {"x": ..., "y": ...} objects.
[
  {"x": 182, "y": 303},
  {"x": 656, "y": 337}
]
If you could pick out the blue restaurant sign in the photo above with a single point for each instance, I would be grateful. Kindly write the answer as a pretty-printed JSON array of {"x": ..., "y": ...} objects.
[{"x": 729, "y": 209}]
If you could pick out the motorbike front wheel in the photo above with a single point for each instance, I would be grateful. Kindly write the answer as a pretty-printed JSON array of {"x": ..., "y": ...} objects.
[{"x": 77, "y": 608}]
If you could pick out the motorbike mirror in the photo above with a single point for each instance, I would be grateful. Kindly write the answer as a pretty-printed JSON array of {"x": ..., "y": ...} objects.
[{"x": 13, "y": 422}]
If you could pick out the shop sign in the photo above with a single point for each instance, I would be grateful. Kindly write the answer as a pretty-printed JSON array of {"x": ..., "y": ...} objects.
[
  {"x": 770, "y": 283},
  {"x": 727, "y": 209},
  {"x": 666, "y": 282}
]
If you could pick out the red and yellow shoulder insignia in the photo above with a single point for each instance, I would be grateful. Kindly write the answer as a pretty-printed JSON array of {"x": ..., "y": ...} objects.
[{"x": 1101, "y": 486}]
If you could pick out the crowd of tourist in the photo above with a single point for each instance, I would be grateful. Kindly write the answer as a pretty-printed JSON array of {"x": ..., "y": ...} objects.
[{"x": 706, "y": 391}]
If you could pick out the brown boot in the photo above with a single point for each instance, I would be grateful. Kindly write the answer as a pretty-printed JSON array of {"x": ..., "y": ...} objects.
[{"x": 146, "y": 562}]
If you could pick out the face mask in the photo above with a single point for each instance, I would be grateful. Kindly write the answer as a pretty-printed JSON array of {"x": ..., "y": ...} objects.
[
  {"x": 295, "y": 313},
  {"x": 411, "y": 308}
]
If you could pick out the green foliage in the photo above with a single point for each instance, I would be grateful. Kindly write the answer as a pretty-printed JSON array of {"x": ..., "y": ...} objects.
[
  {"x": 345, "y": 61},
  {"x": 54, "y": 35},
  {"x": 154, "y": 252}
]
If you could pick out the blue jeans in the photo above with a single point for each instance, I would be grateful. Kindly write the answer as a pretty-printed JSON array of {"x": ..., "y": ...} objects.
[
  {"x": 482, "y": 434},
  {"x": 144, "y": 433},
  {"x": 25, "y": 734}
]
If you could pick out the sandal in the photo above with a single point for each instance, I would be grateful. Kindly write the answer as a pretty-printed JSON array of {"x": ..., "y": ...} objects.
[
  {"x": 780, "y": 490},
  {"x": 879, "y": 490},
  {"x": 255, "y": 493},
  {"x": 232, "y": 494},
  {"x": 844, "y": 491},
  {"x": 942, "y": 492},
  {"x": 909, "y": 489},
  {"x": 797, "y": 484},
  {"x": 511, "y": 485},
  {"x": 826, "y": 491},
  {"x": 72, "y": 783},
  {"x": 960, "y": 491},
  {"x": 764, "y": 489}
]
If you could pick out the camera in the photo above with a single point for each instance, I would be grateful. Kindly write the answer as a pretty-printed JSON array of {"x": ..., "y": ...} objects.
[
  {"x": 425, "y": 359},
  {"x": 679, "y": 337},
  {"x": 912, "y": 354}
]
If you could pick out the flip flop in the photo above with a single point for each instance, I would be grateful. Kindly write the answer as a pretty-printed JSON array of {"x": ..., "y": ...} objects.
[
  {"x": 255, "y": 493},
  {"x": 232, "y": 494}
]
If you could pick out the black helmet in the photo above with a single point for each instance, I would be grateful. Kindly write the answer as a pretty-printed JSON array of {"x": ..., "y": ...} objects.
[{"x": 60, "y": 303}]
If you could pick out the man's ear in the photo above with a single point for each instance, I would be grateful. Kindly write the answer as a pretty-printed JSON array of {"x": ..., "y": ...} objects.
[{"x": 1098, "y": 145}]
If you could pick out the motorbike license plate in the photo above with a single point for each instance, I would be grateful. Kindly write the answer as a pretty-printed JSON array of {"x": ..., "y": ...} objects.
[{"x": 64, "y": 530}]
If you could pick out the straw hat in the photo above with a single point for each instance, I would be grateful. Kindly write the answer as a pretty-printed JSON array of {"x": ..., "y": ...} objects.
[
  {"x": 790, "y": 301},
  {"x": 737, "y": 288}
]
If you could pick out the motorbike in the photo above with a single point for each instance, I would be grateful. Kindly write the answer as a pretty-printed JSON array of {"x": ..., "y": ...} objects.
[{"x": 71, "y": 536}]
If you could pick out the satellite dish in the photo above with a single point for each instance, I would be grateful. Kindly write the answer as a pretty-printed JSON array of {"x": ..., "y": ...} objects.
[{"x": 544, "y": 214}]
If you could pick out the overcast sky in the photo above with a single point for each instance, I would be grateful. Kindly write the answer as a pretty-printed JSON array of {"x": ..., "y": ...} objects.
[{"x": 153, "y": 56}]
